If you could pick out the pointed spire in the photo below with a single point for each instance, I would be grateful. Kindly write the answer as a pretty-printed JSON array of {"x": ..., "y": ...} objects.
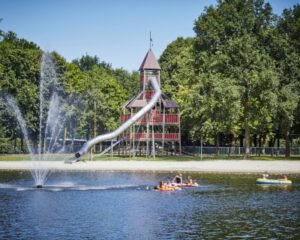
[
  {"x": 150, "y": 62},
  {"x": 151, "y": 41}
]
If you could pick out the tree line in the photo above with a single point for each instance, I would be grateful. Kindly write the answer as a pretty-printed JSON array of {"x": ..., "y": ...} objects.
[
  {"x": 237, "y": 80},
  {"x": 93, "y": 90}
]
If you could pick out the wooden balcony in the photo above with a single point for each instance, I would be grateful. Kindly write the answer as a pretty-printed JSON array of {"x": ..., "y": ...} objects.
[
  {"x": 157, "y": 136},
  {"x": 157, "y": 119}
]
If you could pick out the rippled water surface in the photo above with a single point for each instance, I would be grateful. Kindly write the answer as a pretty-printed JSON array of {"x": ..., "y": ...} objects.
[{"x": 110, "y": 205}]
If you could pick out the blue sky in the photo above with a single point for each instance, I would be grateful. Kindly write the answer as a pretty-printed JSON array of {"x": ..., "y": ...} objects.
[{"x": 117, "y": 31}]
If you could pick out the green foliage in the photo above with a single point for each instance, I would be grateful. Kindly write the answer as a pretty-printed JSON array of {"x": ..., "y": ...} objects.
[
  {"x": 101, "y": 91},
  {"x": 177, "y": 71},
  {"x": 289, "y": 24},
  {"x": 93, "y": 90},
  {"x": 19, "y": 74},
  {"x": 128, "y": 81},
  {"x": 103, "y": 98},
  {"x": 239, "y": 75},
  {"x": 240, "y": 78},
  {"x": 86, "y": 63}
]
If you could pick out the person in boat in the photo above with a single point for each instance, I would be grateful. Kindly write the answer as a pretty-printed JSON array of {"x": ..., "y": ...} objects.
[
  {"x": 265, "y": 175},
  {"x": 169, "y": 184},
  {"x": 159, "y": 185},
  {"x": 178, "y": 179},
  {"x": 189, "y": 181},
  {"x": 285, "y": 178}
]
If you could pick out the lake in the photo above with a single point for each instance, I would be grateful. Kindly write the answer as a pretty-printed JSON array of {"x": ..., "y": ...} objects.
[{"x": 116, "y": 205}]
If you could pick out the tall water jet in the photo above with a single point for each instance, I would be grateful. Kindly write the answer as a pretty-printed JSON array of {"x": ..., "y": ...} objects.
[
  {"x": 47, "y": 89},
  {"x": 51, "y": 120},
  {"x": 38, "y": 175}
]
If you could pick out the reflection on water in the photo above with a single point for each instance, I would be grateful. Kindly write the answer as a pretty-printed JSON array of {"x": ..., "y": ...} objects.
[{"x": 110, "y": 205}]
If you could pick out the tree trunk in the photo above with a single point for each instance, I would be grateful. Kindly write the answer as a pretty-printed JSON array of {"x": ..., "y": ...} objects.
[
  {"x": 94, "y": 127},
  {"x": 287, "y": 144},
  {"x": 241, "y": 141},
  {"x": 22, "y": 144},
  {"x": 263, "y": 151},
  {"x": 255, "y": 140},
  {"x": 73, "y": 137},
  {"x": 247, "y": 140},
  {"x": 218, "y": 143},
  {"x": 65, "y": 137},
  {"x": 15, "y": 144},
  {"x": 232, "y": 140}
]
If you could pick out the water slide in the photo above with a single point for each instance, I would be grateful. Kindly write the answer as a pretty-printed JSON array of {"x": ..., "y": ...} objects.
[
  {"x": 109, "y": 148},
  {"x": 85, "y": 148}
]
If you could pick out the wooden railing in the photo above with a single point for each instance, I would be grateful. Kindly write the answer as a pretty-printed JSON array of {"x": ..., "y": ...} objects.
[
  {"x": 158, "y": 136},
  {"x": 155, "y": 119}
]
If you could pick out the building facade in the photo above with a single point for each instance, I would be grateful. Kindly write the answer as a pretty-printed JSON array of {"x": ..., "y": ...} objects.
[{"x": 158, "y": 132}]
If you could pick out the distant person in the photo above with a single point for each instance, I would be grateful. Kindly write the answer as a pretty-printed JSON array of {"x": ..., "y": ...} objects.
[
  {"x": 285, "y": 177},
  {"x": 265, "y": 175},
  {"x": 168, "y": 184},
  {"x": 178, "y": 179},
  {"x": 159, "y": 185},
  {"x": 190, "y": 181}
]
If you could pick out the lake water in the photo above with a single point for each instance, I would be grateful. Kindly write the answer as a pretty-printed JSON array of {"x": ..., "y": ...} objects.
[{"x": 115, "y": 205}]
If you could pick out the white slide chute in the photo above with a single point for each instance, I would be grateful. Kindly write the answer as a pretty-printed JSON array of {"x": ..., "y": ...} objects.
[{"x": 85, "y": 148}]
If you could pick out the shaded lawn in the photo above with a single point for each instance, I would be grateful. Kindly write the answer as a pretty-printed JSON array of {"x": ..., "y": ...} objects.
[{"x": 61, "y": 157}]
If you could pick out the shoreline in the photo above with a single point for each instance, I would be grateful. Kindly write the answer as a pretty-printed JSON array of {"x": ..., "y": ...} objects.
[{"x": 206, "y": 166}]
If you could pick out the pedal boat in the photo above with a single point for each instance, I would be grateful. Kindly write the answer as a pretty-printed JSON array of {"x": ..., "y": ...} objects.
[
  {"x": 168, "y": 188},
  {"x": 269, "y": 181},
  {"x": 185, "y": 184}
]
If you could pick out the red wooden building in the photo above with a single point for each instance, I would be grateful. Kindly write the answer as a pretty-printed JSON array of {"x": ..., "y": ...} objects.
[{"x": 158, "y": 132}]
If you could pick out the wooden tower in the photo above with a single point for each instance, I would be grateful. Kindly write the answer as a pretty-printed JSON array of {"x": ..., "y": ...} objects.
[{"x": 158, "y": 132}]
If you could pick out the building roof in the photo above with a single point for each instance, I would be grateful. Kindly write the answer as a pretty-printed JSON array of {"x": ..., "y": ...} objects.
[
  {"x": 124, "y": 105},
  {"x": 137, "y": 103},
  {"x": 169, "y": 103},
  {"x": 150, "y": 62}
]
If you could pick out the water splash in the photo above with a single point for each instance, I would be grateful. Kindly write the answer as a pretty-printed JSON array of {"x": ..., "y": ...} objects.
[
  {"x": 13, "y": 105},
  {"x": 39, "y": 175},
  {"x": 47, "y": 95},
  {"x": 52, "y": 113}
]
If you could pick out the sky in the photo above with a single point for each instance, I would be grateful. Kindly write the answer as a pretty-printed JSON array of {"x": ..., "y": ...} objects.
[{"x": 117, "y": 31}]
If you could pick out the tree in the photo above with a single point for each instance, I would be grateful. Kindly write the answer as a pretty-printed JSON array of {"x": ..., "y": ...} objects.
[
  {"x": 285, "y": 49},
  {"x": 129, "y": 81},
  {"x": 103, "y": 97},
  {"x": 19, "y": 61},
  {"x": 177, "y": 66},
  {"x": 87, "y": 62},
  {"x": 289, "y": 25},
  {"x": 228, "y": 46},
  {"x": 177, "y": 71}
]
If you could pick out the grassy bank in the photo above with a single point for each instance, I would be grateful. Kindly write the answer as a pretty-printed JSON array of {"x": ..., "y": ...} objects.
[{"x": 61, "y": 157}]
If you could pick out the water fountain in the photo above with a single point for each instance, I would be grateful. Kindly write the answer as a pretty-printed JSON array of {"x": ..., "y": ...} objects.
[{"x": 51, "y": 120}]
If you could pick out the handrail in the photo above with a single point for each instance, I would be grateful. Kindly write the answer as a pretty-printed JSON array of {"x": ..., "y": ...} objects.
[{"x": 85, "y": 148}]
